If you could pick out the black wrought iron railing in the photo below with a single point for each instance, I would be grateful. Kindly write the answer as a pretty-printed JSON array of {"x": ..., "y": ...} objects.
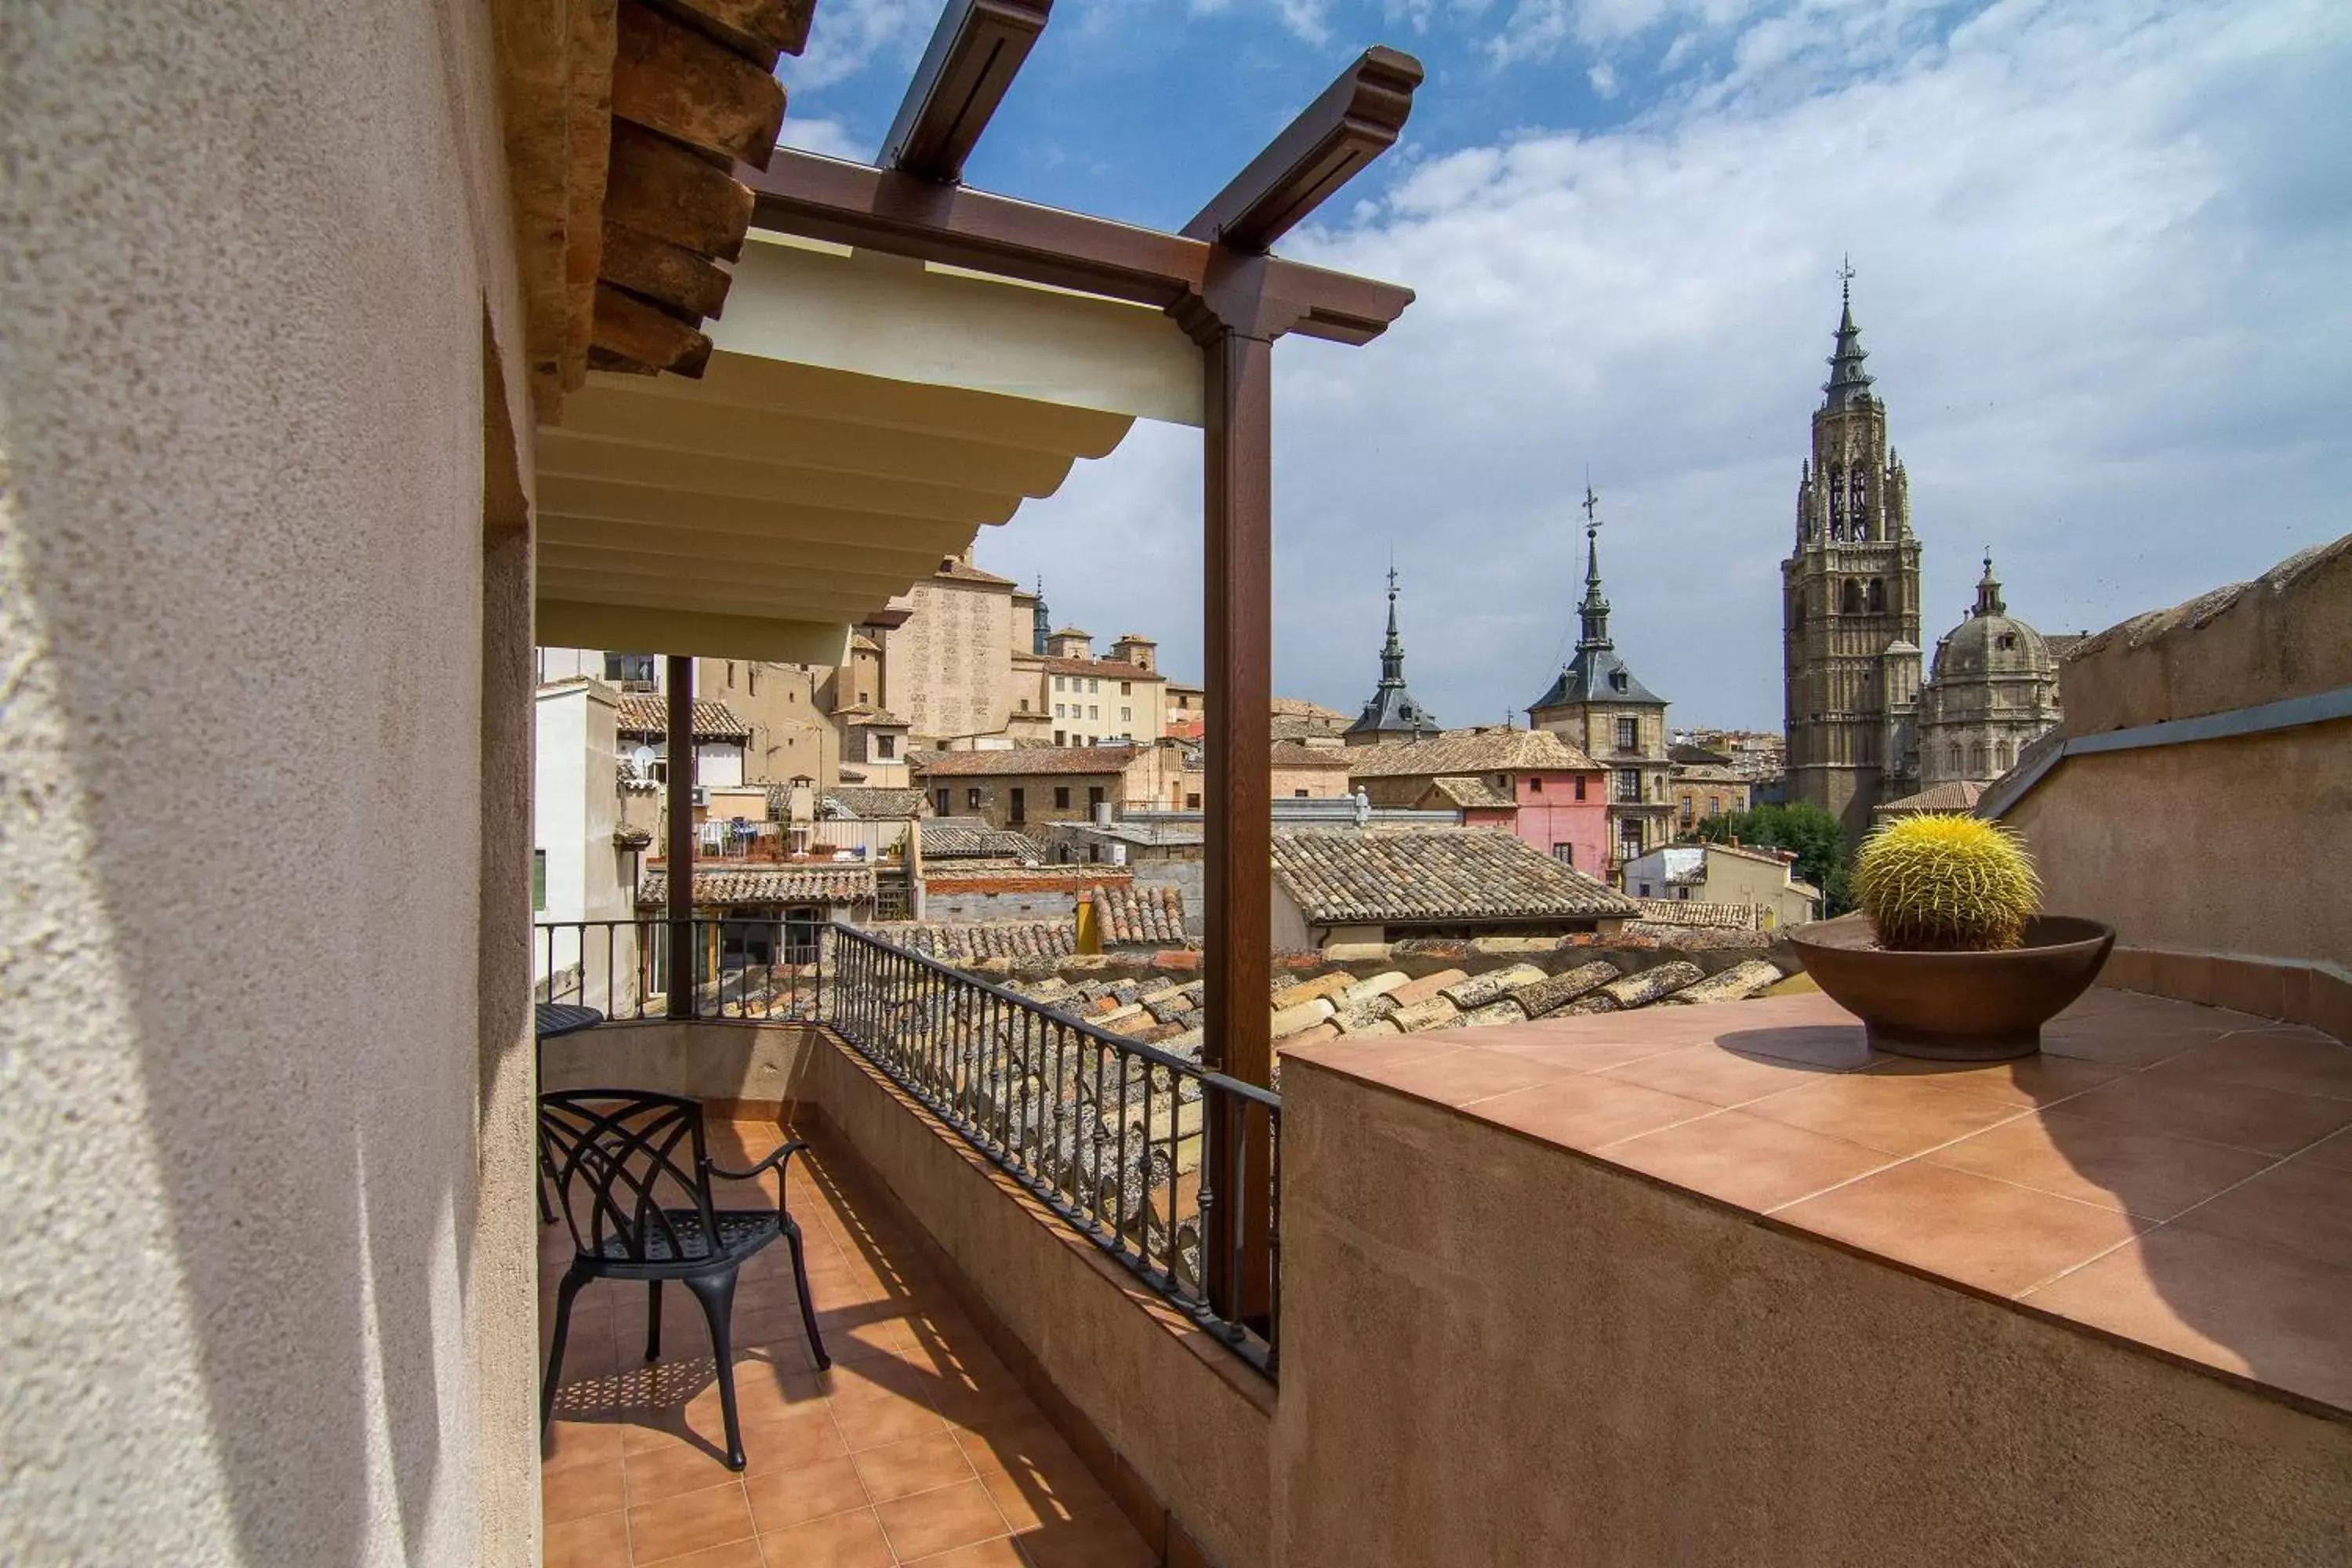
[
  {"x": 1171, "y": 1169},
  {"x": 742, "y": 967}
]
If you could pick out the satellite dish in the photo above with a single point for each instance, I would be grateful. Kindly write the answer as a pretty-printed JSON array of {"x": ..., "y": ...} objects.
[{"x": 642, "y": 759}]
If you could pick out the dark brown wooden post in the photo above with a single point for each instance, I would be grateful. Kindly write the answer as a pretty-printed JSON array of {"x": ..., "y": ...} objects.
[
  {"x": 1238, "y": 653},
  {"x": 680, "y": 789}
]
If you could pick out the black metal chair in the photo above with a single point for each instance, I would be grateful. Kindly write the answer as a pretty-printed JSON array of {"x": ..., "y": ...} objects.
[{"x": 638, "y": 1213}]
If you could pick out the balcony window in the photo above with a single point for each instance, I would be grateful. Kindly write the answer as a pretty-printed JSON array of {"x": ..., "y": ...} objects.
[
  {"x": 1629, "y": 735},
  {"x": 1629, "y": 786}
]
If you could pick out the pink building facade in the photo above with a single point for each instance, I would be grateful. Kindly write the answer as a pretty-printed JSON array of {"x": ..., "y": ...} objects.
[
  {"x": 1566, "y": 816},
  {"x": 1529, "y": 782}
]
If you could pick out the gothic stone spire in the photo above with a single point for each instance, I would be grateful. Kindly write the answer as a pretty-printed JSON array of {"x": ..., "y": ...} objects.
[{"x": 1849, "y": 385}]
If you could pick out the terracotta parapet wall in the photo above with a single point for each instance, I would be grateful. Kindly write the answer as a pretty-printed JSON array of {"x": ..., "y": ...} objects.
[
  {"x": 2221, "y": 850},
  {"x": 1496, "y": 1350},
  {"x": 740, "y": 1069},
  {"x": 1176, "y": 1427},
  {"x": 2281, "y": 636}
]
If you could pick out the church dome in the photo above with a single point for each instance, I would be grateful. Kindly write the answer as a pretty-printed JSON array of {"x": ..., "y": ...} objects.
[
  {"x": 1992, "y": 643},
  {"x": 1991, "y": 647}
]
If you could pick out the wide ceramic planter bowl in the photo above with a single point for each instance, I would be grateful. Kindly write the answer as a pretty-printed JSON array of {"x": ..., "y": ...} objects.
[{"x": 1955, "y": 1007}]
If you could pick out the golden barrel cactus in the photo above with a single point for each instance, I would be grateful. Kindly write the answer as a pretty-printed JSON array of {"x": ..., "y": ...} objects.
[{"x": 1946, "y": 884}]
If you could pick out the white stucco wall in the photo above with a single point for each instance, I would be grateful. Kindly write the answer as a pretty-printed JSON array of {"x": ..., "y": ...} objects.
[
  {"x": 559, "y": 787},
  {"x": 577, "y": 806},
  {"x": 248, "y": 252}
]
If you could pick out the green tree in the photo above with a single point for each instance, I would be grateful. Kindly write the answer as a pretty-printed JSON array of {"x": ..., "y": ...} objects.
[{"x": 1808, "y": 832}]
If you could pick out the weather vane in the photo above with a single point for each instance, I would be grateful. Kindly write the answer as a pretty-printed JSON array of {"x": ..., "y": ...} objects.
[
  {"x": 1845, "y": 277},
  {"x": 1592, "y": 503}
]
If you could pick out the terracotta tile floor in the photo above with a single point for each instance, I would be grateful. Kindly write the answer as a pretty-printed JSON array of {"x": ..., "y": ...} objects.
[
  {"x": 916, "y": 1446},
  {"x": 2170, "y": 1174}
]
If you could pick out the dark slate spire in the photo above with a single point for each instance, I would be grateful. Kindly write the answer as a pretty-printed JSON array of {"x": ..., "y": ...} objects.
[
  {"x": 1989, "y": 599},
  {"x": 1392, "y": 651},
  {"x": 1594, "y": 611},
  {"x": 1041, "y": 623},
  {"x": 1393, "y": 710},
  {"x": 1596, "y": 674},
  {"x": 1849, "y": 385}
]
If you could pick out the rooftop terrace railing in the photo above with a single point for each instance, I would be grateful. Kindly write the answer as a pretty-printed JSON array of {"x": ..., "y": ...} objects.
[
  {"x": 1133, "y": 1146},
  {"x": 746, "y": 967}
]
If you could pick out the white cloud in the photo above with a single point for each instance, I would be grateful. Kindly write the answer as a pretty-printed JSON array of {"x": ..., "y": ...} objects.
[
  {"x": 844, "y": 39},
  {"x": 2101, "y": 253},
  {"x": 1602, "y": 77},
  {"x": 1540, "y": 29},
  {"x": 830, "y": 137}
]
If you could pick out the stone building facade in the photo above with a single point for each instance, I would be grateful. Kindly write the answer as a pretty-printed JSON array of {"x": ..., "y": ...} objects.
[
  {"x": 947, "y": 666},
  {"x": 1993, "y": 691},
  {"x": 1601, "y": 710},
  {"x": 1849, "y": 604}
]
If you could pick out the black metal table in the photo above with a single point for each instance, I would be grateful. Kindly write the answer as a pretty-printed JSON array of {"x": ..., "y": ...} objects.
[
  {"x": 564, "y": 1018},
  {"x": 558, "y": 1018}
]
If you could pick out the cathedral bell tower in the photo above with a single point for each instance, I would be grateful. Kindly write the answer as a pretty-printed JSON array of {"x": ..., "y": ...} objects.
[{"x": 1850, "y": 603}]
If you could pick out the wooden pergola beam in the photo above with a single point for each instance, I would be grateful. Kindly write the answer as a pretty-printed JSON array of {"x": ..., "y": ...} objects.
[
  {"x": 901, "y": 214},
  {"x": 975, "y": 53},
  {"x": 1356, "y": 119}
]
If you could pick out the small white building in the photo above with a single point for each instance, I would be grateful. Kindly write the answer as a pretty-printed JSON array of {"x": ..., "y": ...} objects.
[
  {"x": 581, "y": 869},
  {"x": 1726, "y": 874}
]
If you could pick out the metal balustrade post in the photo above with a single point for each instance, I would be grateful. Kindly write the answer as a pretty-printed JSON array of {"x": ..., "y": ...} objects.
[{"x": 679, "y": 890}]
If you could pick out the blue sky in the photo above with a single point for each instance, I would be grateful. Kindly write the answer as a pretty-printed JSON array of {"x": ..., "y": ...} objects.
[{"x": 2101, "y": 250}]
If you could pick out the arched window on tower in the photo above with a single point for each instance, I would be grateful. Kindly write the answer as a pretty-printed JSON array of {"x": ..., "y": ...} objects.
[
  {"x": 1797, "y": 612},
  {"x": 1849, "y": 597},
  {"x": 1877, "y": 597},
  {"x": 1953, "y": 755},
  {"x": 1857, "y": 504},
  {"x": 1837, "y": 503},
  {"x": 1976, "y": 759},
  {"x": 2003, "y": 759}
]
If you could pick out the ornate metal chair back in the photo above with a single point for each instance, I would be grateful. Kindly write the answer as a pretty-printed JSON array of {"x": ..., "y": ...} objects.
[{"x": 618, "y": 1157}]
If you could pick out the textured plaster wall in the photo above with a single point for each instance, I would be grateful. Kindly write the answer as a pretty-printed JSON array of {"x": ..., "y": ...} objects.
[
  {"x": 946, "y": 901},
  {"x": 1190, "y": 1419},
  {"x": 2229, "y": 847},
  {"x": 762, "y": 1063},
  {"x": 2222, "y": 846},
  {"x": 1498, "y": 1351},
  {"x": 261, "y": 1111}
]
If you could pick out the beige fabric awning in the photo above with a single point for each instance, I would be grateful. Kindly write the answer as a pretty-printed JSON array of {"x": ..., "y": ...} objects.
[{"x": 862, "y": 418}]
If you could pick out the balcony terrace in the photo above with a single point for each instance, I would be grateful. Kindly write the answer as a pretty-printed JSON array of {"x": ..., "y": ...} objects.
[{"x": 917, "y": 1445}]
